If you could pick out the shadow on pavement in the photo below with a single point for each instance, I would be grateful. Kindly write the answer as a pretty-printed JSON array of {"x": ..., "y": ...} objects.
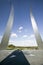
[{"x": 15, "y": 58}]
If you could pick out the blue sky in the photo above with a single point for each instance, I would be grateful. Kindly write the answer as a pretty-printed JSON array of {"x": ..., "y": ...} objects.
[{"x": 22, "y": 32}]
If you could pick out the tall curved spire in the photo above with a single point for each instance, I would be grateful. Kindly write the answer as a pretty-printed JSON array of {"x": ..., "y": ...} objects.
[
  {"x": 36, "y": 32},
  {"x": 6, "y": 36}
]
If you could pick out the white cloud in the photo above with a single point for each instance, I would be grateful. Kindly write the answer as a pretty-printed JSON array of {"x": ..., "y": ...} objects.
[
  {"x": 27, "y": 42},
  {"x": 24, "y": 43},
  {"x": 32, "y": 36},
  {"x": 29, "y": 37},
  {"x": 0, "y": 38},
  {"x": 21, "y": 27},
  {"x": 24, "y": 36},
  {"x": 13, "y": 35}
]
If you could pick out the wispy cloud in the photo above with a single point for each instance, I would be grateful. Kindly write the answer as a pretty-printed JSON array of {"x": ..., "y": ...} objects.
[
  {"x": 24, "y": 43},
  {"x": 29, "y": 41},
  {"x": 32, "y": 36},
  {"x": 0, "y": 38},
  {"x": 24, "y": 36},
  {"x": 14, "y": 35},
  {"x": 20, "y": 29},
  {"x": 29, "y": 36}
]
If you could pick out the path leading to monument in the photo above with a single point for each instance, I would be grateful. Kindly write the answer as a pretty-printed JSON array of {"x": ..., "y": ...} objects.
[{"x": 34, "y": 57}]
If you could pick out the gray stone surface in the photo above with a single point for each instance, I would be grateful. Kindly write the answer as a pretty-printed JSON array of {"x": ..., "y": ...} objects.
[{"x": 35, "y": 57}]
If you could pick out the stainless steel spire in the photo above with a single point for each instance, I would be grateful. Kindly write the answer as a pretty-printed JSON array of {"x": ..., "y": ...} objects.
[
  {"x": 5, "y": 39},
  {"x": 36, "y": 32}
]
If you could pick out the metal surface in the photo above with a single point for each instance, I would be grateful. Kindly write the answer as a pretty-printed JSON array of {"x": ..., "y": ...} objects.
[
  {"x": 36, "y": 32},
  {"x": 5, "y": 39}
]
